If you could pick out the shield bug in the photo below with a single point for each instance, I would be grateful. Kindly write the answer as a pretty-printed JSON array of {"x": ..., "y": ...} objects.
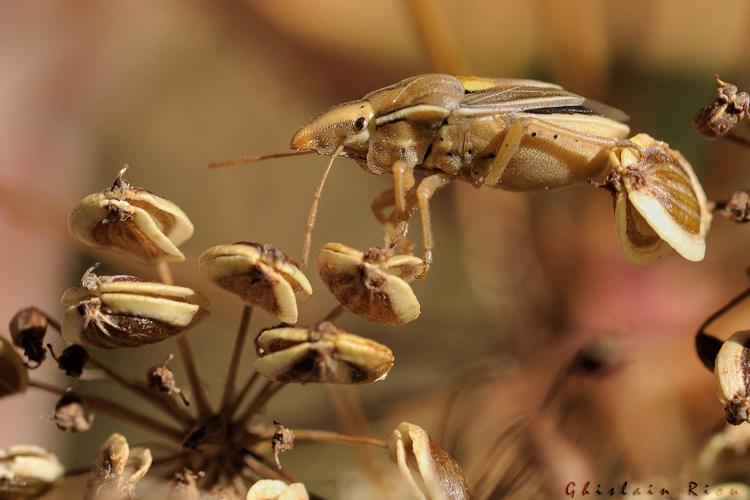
[{"x": 518, "y": 135}]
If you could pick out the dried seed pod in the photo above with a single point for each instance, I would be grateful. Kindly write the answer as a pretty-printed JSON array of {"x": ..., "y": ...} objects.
[
  {"x": 72, "y": 360},
  {"x": 70, "y": 414},
  {"x": 28, "y": 472},
  {"x": 117, "y": 470},
  {"x": 15, "y": 376},
  {"x": 321, "y": 353},
  {"x": 133, "y": 221},
  {"x": 27, "y": 329},
  {"x": 259, "y": 274},
  {"x": 161, "y": 378},
  {"x": 732, "y": 372},
  {"x": 428, "y": 469},
  {"x": 281, "y": 442},
  {"x": 185, "y": 486},
  {"x": 123, "y": 311},
  {"x": 273, "y": 489},
  {"x": 723, "y": 113},
  {"x": 737, "y": 208},
  {"x": 373, "y": 284},
  {"x": 659, "y": 202}
]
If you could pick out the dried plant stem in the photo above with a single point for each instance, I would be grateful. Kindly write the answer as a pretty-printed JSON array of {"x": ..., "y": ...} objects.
[
  {"x": 438, "y": 40},
  {"x": 493, "y": 453},
  {"x": 186, "y": 352},
  {"x": 264, "y": 395},
  {"x": 315, "y": 435},
  {"x": 115, "y": 410},
  {"x": 708, "y": 345},
  {"x": 264, "y": 470},
  {"x": 334, "y": 314},
  {"x": 239, "y": 344},
  {"x": 243, "y": 392},
  {"x": 167, "y": 405}
]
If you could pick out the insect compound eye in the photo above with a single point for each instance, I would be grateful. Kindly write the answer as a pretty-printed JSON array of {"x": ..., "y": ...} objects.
[{"x": 359, "y": 123}]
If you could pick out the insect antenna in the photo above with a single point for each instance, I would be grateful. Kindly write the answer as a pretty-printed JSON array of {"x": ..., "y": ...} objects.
[
  {"x": 314, "y": 209},
  {"x": 254, "y": 158}
]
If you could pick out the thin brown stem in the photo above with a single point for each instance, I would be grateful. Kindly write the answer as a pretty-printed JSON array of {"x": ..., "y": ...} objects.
[
  {"x": 118, "y": 411},
  {"x": 186, "y": 352},
  {"x": 706, "y": 345},
  {"x": 264, "y": 395},
  {"x": 239, "y": 344},
  {"x": 493, "y": 452},
  {"x": 167, "y": 405},
  {"x": 334, "y": 314},
  {"x": 438, "y": 41},
  {"x": 314, "y": 435},
  {"x": 243, "y": 392}
]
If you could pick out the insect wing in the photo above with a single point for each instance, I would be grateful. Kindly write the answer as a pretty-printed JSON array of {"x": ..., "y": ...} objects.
[{"x": 515, "y": 98}]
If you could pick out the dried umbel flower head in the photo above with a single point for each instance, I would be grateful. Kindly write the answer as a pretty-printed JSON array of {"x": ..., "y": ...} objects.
[
  {"x": 123, "y": 311},
  {"x": 117, "y": 470},
  {"x": 723, "y": 113},
  {"x": 15, "y": 377},
  {"x": 732, "y": 372},
  {"x": 261, "y": 275},
  {"x": 133, "y": 221},
  {"x": 28, "y": 472},
  {"x": 70, "y": 414},
  {"x": 273, "y": 489},
  {"x": 427, "y": 468},
  {"x": 373, "y": 284},
  {"x": 27, "y": 329},
  {"x": 321, "y": 353},
  {"x": 659, "y": 202}
]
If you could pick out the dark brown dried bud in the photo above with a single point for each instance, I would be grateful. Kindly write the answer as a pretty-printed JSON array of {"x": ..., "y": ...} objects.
[
  {"x": 161, "y": 378},
  {"x": 27, "y": 329},
  {"x": 208, "y": 436},
  {"x": 185, "y": 486},
  {"x": 14, "y": 376},
  {"x": 117, "y": 470},
  {"x": 723, "y": 113},
  {"x": 281, "y": 442},
  {"x": 72, "y": 360},
  {"x": 70, "y": 414}
]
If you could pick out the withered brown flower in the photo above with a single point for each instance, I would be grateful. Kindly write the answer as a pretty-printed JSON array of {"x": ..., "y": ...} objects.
[
  {"x": 117, "y": 470},
  {"x": 27, "y": 329},
  {"x": 124, "y": 311},
  {"x": 372, "y": 284},
  {"x": 131, "y": 220},
  {"x": 70, "y": 414},
  {"x": 261, "y": 275},
  {"x": 321, "y": 353}
]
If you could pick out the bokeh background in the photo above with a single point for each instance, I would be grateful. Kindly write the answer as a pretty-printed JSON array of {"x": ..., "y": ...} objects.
[{"x": 519, "y": 279}]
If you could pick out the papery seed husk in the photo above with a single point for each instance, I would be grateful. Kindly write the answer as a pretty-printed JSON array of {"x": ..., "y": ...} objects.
[
  {"x": 14, "y": 376},
  {"x": 438, "y": 476},
  {"x": 259, "y": 274},
  {"x": 732, "y": 372},
  {"x": 661, "y": 187},
  {"x": 322, "y": 353},
  {"x": 28, "y": 471},
  {"x": 374, "y": 290},
  {"x": 131, "y": 220},
  {"x": 117, "y": 470},
  {"x": 274, "y": 489}
]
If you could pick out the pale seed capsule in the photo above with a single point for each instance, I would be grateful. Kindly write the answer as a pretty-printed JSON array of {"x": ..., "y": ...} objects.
[
  {"x": 321, "y": 353},
  {"x": 28, "y": 472},
  {"x": 14, "y": 377},
  {"x": 27, "y": 329},
  {"x": 373, "y": 284},
  {"x": 428, "y": 469},
  {"x": 732, "y": 372},
  {"x": 659, "y": 202},
  {"x": 273, "y": 489},
  {"x": 117, "y": 470},
  {"x": 123, "y": 311},
  {"x": 70, "y": 414},
  {"x": 261, "y": 275},
  {"x": 133, "y": 221}
]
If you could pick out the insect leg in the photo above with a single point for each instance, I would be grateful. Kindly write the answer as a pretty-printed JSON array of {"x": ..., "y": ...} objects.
[
  {"x": 527, "y": 125},
  {"x": 403, "y": 182},
  {"x": 381, "y": 201},
  {"x": 424, "y": 192}
]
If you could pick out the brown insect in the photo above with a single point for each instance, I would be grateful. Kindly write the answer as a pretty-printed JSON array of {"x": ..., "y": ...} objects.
[{"x": 518, "y": 135}]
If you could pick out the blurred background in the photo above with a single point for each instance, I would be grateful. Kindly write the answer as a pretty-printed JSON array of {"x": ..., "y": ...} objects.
[{"x": 519, "y": 280}]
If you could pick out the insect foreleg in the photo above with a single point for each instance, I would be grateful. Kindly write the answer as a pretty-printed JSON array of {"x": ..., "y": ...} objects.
[
  {"x": 403, "y": 182},
  {"x": 424, "y": 192}
]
